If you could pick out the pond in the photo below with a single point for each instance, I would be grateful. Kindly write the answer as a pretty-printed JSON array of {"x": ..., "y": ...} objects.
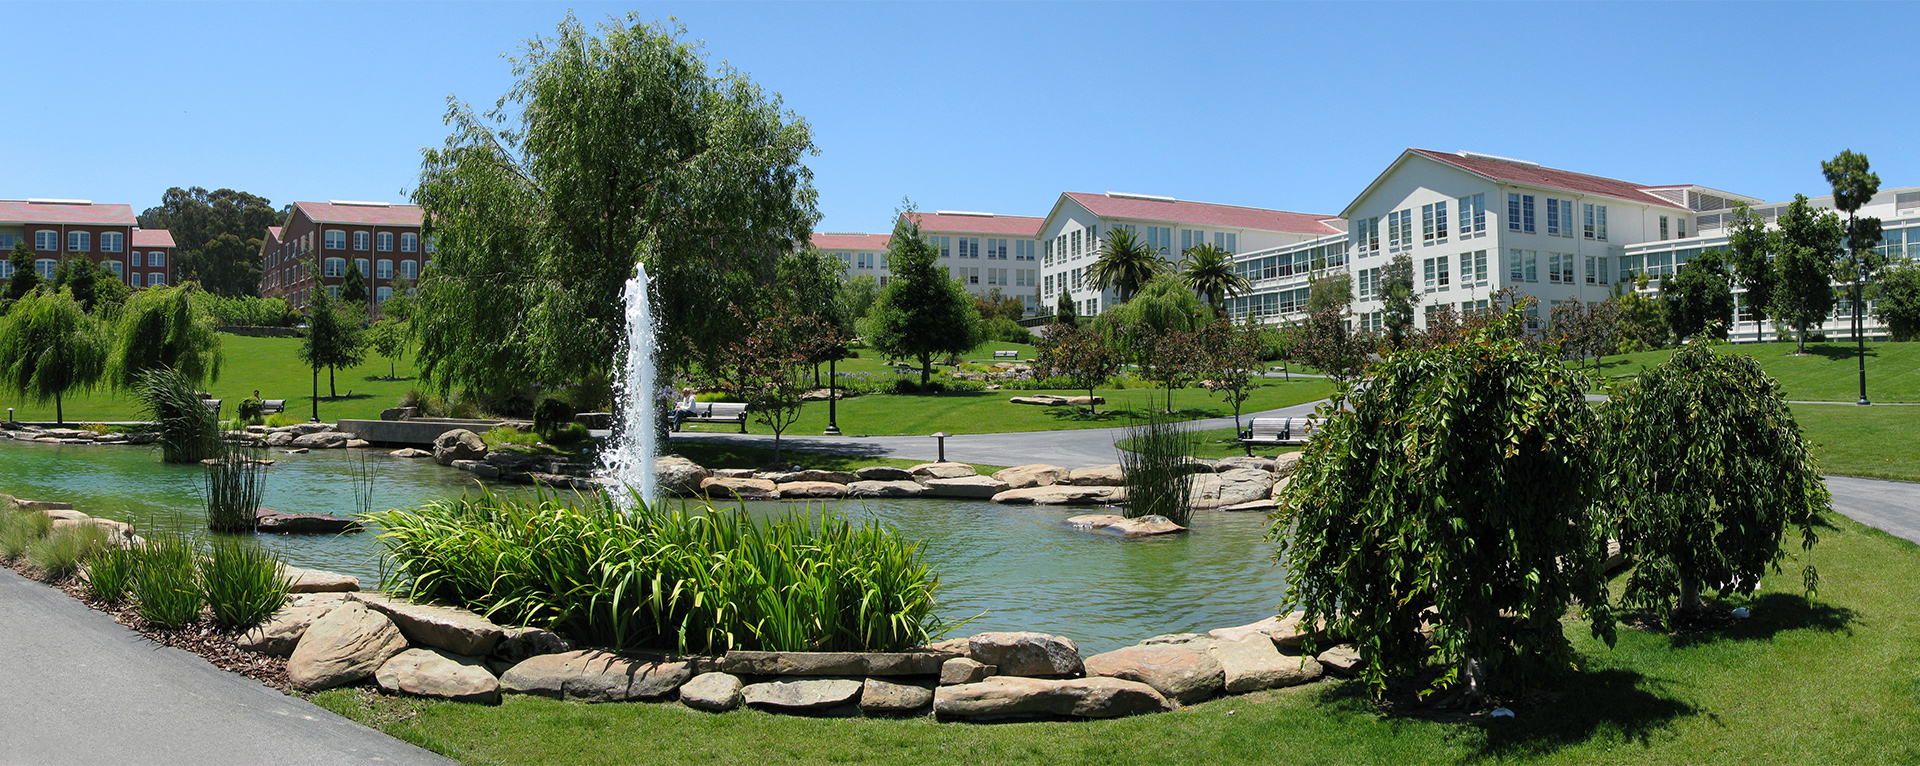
[{"x": 1007, "y": 567}]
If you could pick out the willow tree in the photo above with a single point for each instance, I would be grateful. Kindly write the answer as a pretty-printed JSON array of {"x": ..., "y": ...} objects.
[
  {"x": 615, "y": 146},
  {"x": 51, "y": 347},
  {"x": 1451, "y": 493},
  {"x": 164, "y": 328},
  {"x": 1709, "y": 470}
]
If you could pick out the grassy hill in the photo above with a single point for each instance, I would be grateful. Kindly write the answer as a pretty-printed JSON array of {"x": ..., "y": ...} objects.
[{"x": 1828, "y": 373}]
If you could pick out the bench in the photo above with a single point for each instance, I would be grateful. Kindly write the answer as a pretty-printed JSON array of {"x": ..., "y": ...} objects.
[
  {"x": 719, "y": 412},
  {"x": 1275, "y": 431},
  {"x": 212, "y": 405},
  {"x": 273, "y": 406},
  {"x": 1006, "y": 354}
]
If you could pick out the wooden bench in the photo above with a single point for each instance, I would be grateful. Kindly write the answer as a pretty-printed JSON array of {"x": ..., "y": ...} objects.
[
  {"x": 719, "y": 412},
  {"x": 272, "y": 406},
  {"x": 1006, "y": 354},
  {"x": 1276, "y": 431}
]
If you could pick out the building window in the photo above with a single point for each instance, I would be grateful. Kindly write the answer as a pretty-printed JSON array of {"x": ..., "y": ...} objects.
[
  {"x": 336, "y": 239},
  {"x": 1520, "y": 212},
  {"x": 1436, "y": 274},
  {"x": 432, "y": 244},
  {"x": 1023, "y": 249},
  {"x": 1596, "y": 270},
  {"x": 79, "y": 242},
  {"x": 1473, "y": 268},
  {"x": 1366, "y": 235},
  {"x": 1073, "y": 242},
  {"x": 157, "y": 258},
  {"x": 1560, "y": 268},
  {"x": 111, "y": 241},
  {"x": 1682, "y": 221},
  {"x": 333, "y": 292},
  {"x": 45, "y": 266},
  {"x": 1595, "y": 222},
  {"x": 969, "y": 247},
  {"x": 361, "y": 241},
  {"x": 336, "y": 267},
  {"x": 361, "y": 264},
  {"x": 119, "y": 270},
  {"x": 1369, "y": 281},
  {"x": 385, "y": 242},
  {"x": 1433, "y": 223},
  {"x": 944, "y": 243},
  {"x": 996, "y": 276},
  {"x": 46, "y": 240},
  {"x": 1473, "y": 215},
  {"x": 1160, "y": 239},
  {"x": 1663, "y": 227},
  {"x": 1523, "y": 265},
  {"x": 383, "y": 269},
  {"x": 6, "y": 269},
  {"x": 1191, "y": 238},
  {"x": 156, "y": 279},
  {"x": 409, "y": 270},
  {"x": 996, "y": 249},
  {"x": 1228, "y": 241},
  {"x": 1400, "y": 229},
  {"x": 382, "y": 294},
  {"x": 409, "y": 242}
]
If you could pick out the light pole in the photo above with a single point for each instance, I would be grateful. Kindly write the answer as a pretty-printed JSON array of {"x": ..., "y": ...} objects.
[
  {"x": 1859, "y": 326},
  {"x": 833, "y": 398}
]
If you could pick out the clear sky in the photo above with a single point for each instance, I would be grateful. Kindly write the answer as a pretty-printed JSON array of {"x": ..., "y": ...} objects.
[{"x": 991, "y": 106}]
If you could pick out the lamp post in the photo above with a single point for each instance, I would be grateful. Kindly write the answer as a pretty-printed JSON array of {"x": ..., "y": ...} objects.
[
  {"x": 833, "y": 398},
  {"x": 941, "y": 436},
  {"x": 1859, "y": 328}
]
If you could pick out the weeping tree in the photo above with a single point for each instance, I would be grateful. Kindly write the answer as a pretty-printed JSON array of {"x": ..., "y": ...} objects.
[
  {"x": 1709, "y": 470},
  {"x": 162, "y": 328},
  {"x": 1451, "y": 493},
  {"x": 51, "y": 347},
  {"x": 189, "y": 430}
]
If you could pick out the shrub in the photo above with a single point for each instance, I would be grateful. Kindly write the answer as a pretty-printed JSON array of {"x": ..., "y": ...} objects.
[
  {"x": 499, "y": 435},
  {"x": 166, "y": 587},
  {"x": 551, "y": 415},
  {"x": 282, "y": 420},
  {"x": 1007, "y": 330},
  {"x": 234, "y": 488},
  {"x": 189, "y": 430},
  {"x": 1156, "y": 470},
  {"x": 689, "y": 581},
  {"x": 110, "y": 574},
  {"x": 243, "y": 583},
  {"x": 248, "y": 409},
  {"x": 569, "y": 434},
  {"x": 62, "y": 551},
  {"x": 19, "y": 529}
]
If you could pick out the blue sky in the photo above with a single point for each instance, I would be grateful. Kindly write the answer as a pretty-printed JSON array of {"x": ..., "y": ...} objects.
[{"x": 990, "y": 106}]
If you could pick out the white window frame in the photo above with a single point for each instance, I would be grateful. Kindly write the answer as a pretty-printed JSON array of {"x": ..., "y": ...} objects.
[
  {"x": 362, "y": 241},
  {"x": 383, "y": 242},
  {"x": 335, "y": 239},
  {"x": 46, "y": 241},
  {"x": 79, "y": 242},
  {"x": 409, "y": 242},
  {"x": 156, "y": 258},
  {"x": 156, "y": 279},
  {"x": 330, "y": 264},
  {"x": 112, "y": 241},
  {"x": 409, "y": 270}
]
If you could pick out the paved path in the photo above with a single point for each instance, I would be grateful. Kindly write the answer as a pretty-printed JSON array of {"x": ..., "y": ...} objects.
[
  {"x": 1891, "y": 506},
  {"x": 78, "y": 688}
]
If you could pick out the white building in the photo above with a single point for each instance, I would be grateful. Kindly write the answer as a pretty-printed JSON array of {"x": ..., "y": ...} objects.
[{"x": 983, "y": 250}]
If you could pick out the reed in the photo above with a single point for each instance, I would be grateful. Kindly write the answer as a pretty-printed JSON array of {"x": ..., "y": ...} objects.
[
  {"x": 696, "y": 580},
  {"x": 189, "y": 431},
  {"x": 234, "y": 487},
  {"x": 1156, "y": 469},
  {"x": 166, "y": 587},
  {"x": 242, "y": 582}
]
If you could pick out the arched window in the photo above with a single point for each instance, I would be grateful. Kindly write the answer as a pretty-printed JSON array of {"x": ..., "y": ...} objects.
[
  {"x": 46, "y": 239},
  {"x": 336, "y": 239},
  {"x": 336, "y": 267},
  {"x": 383, "y": 269},
  {"x": 410, "y": 269},
  {"x": 45, "y": 267},
  {"x": 385, "y": 241},
  {"x": 362, "y": 264},
  {"x": 157, "y": 258},
  {"x": 383, "y": 294},
  {"x": 409, "y": 242},
  {"x": 111, "y": 241},
  {"x": 360, "y": 240},
  {"x": 156, "y": 279},
  {"x": 119, "y": 270},
  {"x": 79, "y": 242}
]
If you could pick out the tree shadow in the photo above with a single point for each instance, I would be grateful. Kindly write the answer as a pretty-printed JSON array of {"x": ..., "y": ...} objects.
[
  {"x": 1771, "y": 614},
  {"x": 1614, "y": 703},
  {"x": 346, "y": 397},
  {"x": 385, "y": 379},
  {"x": 1837, "y": 352}
]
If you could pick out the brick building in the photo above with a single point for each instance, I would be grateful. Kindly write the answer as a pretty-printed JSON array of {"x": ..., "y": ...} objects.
[
  {"x": 105, "y": 233},
  {"x": 314, "y": 245}
]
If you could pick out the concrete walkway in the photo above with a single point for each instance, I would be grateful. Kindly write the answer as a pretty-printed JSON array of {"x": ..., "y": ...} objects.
[{"x": 78, "y": 688}]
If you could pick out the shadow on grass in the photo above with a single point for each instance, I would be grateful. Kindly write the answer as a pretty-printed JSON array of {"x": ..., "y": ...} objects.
[
  {"x": 1836, "y": 352},
  {"x": 385, "y": 379},
  {"x": 346, "y": 397},
  {"x": 1773, "y": 613},
  {"x": 1618, "y": 704}
]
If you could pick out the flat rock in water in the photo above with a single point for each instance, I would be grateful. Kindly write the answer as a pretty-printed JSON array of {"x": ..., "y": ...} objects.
[
  {"x": 345, "y": 645},
  {"x": 323, "y": 440},
  {"x": 1141, "y": 526},
  {"x": 1081, "y": 697},
  {"x": 455, "y": 630},
  {"x": 591, "y": 675},
  {"x": 1251, "y": 506},
  {"x": 436, "y": 673},
  {"x": 1186, "y": 672},
  {"x": 1263, "y": 628},
  {"x": 813, "y": 474},
  {"x": 1096, "y": 520},
  {"x": 742, "y": 489},
  {"x": 881, "y": 697},
  {"x": 812, "y": 489},
  {"x": 1026, "y": 653},
  {"x": 1098, "y": 476},
  {"x": 1034, "y": 475},
  {"x": 982, "y": 487},
  {"x": 891, "y": 488},
  {"x": 1056, "y": 494},
  {"x": 318, "y": 580},
  {"x": 883, "y": 473},
  {"x": 302, "y": 523},
  {"x": 1251, "y": 664},
  {"x": 42, "y": 505},
  {"x": 733, "y": 473},
  {"x": 679, "y": 475},
  {"x": 712, "y": 692},
  {"x": 1232, "y": 487},
  {"x": 755, "y": 663},
  {"x": 810, "y": 696},
  {"x": 942, "y": 471}
]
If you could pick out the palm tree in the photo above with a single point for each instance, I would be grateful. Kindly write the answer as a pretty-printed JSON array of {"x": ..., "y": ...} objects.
[
  {"x": 1208, "y": 271},
  {"x": 1125, "y": 263}
]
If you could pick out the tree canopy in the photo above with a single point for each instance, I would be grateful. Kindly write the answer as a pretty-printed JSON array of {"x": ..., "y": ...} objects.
[
  {"x": 1898, "y": 300},
  {"x": 24, "y": 278},
  {"x": 163, "y": 328},
  {"x": 1125, "y": 263},
  {"x": 1808, "y": 244},
  {"x": 216, "y": 236},
  {"x": 51, "y": 347},
  {"x": 1398, "y": 298},
  {"x": 1750, "y": 246},
  {"x": 1700, "y": 295},
  {"x": 1208, "y": 272},
  {"x": 922, "y": 312}
]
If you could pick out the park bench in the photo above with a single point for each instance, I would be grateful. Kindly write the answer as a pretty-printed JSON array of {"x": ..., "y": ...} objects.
[
  {"x": 212, "y": 405},
  {"x": 1273, "y": 431},
  {"x": 272, "y": 406},
  {"x": 719, "y": 412},
  {"x": 1006, "y": 354}
]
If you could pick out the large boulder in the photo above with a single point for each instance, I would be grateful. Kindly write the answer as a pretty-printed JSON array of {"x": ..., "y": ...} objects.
[
  {"x": 1141, "y": 526},
  {"x": 1280, "y": 486},
  {"x": 679, "y": 475},
  {"x": 318, "y": 580},
  {"x": 1251, "y": 663},
  {"x": 808, "y": 696},
  {"x": 712, "y": 692},
  {"x": 967, "y": 486},
  {"x": 411, "y": 452},
  {"x": 814, "y": 474},
  {"x": 280, "y": 633},
  {"x": 811, "y": 489},
  {"x": 876, "y": 488},
  {"x": 1342, "y": 661},
  {"x": 882, "y": 697},
  {"x": 268, "y": 520},
  {"x": 1026, "y": 653},
  {"x": 756, "y": 663},
  {"x": 1081, "y": 697},
  {"x": 1231, "y": 463},
  {"x": 345, "y": 645},
  {"x": 1284, "y": 463},
  {"x": 518, "y": 644},
  {"x": 942, "y": 471},
  {"x": 458, "y": 444},
  {"x": 1086, "y": 401},
  {"x": 961, "y": 670},
  {"x": 323, "y": 440},
  {"x": 1034, "y": 475},
  {"x": 1232, "y": 487},
  {"x": 1186, "y": 672},
  {"x": 435, "y": 673},
  {"x": 1043, "y": 400},
  {"x": 1056, "y": 494},
  {"x": 740, "y": 489},
  {"x": 280, "y": 438},
  {"x": 455, "y": 630},
  {"x": 591, "y": 675},
  {"x": 1098, "y": 476},
  {"x": 883, "y": 473}
]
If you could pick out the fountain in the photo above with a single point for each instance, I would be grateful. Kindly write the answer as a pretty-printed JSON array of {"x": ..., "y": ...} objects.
[{"x": 629, "y": 460}]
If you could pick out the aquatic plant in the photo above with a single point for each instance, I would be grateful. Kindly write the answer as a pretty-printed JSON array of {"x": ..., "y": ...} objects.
[{"x": 1157, "y": 469}]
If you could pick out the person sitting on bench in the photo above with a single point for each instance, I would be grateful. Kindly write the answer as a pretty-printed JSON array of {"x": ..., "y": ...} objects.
[{"x": 683, "y": 408}]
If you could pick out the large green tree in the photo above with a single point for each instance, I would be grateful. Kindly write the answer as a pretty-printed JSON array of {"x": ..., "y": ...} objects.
[
  {"x": 96, "y": 287},
  {"x": 216, "y": 236},
  {"x": 1750, "y": 247},
  {"x": 1208, "y": 272},
  {"x": 1804, "y": 263},
  {"x": 1898, "y": 300},
  {"x": 1398, "y": 299},
  {"x": 922, "y": 312},
  {"x": 24, "y": 278},
  {"x": 1854, "y": 185},
  {"x": 334, "y": 340},
  {"x": 164, "y": 328},
  {"x": 615, "y": 146},
  {"x": 51, "y": 347},
  {"x": 353, "y": 286},
  {"x": 1700, "y": 295},
  {"x": 1156, "y": 327},
  {"x": 1125, "y": 263}
]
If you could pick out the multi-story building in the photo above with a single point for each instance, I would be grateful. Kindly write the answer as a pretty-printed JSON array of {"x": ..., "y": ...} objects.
[
  {"x": 317, "y": 241},
  {"x": 983, "y": 251},
  {"x": 105, "y": 233},
  {"x": 864, "y": 254}
]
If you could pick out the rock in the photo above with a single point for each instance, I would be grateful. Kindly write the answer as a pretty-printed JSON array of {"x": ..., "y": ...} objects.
[
  {"x": 279, "y": 634},
  {"x": 1256, "y": 463},
  {"x": 1034, "y": 475},
  {"x": 812, "y": 489},
  {"x": 301, "y": 523},
  {"x": 1251, "y": 663},
  {"x": 1082, "y": 697},
  {"x": 410, "y": 452},
  {"x": 398, "y": 413},
  {"x": 479, "y": 468},
  {"x": 1056, "y": 494},
  {"x": 1098, "y": 476},
  {"x": 1283, "y": 463},
  {"x": 942, "y": 471},
  {"x": 1096, "y": 520},
  {"x": 324, "y": 440},
  {"x": 809, "y": 696},
  {"x": 358, "y": 443},
  {"x": 1143, "y": 526},
  {"x": 1043, "y": 400},
  {"x": 880, "y": 697},
  {"x": 1291, "y": 632},
  {"x": 42, "y": 505},
  {"x": 1342, "y": 661},
  {"x": 712, "y": 692},
  {"x": 318, "y": 580},
  {"x": 1185, "y": 672},
  {"x": 961, "y": 670},
  {"x": 812, "y": 474},
  {"x": 884, "y": 473},
  {"x": 966, "y": 486},
  {"x": 345, "y": 645},
  {"x": 591, "y": 675},
  {"x": 110, "y": 439},
  {"x": 957, "y": 647},
  {"x": 733, "y": 473},
  {"x": 679, "y": 475},
  {"x": 436, "y": 673},
  {"x": 442, "y": 627},
  {"x": 1086, "y": 401},
  {"x": 1196, "y": 465},
  {"x": 1262, "y": 505},
  {"x": 1026, "y": 653},
  {"x": 1233, "y": 487},
  {"x": 875, "y": 488},
  {"x": 518, "y": 644},
  {"x": 834, "y": 663},
  {"x": 458, "y": 444},
  {"x": 143, "y": 438},
  {"x": 743, "y": 489},
  {"x": 1280, "y": 486},
  {"x": 301, "y": 451},
  {"x": 1262, "y": 628},
  {"x": 280, "y": 438},
  {"x": 1172, "y": 638}
]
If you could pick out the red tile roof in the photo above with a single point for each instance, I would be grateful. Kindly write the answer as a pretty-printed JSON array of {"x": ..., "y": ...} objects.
[
  {"x": 152, "y": 238},
  {"x": 1010, "y": 225},
  {"x": 851, "y": 241},
  {"x": 1536, "y": 175},
  {"x": 273, "y": 233},
  {"x": 378, "y": 215},
  {"x": 1207, "y": 214},
  {"x": 22, "y": 211}
]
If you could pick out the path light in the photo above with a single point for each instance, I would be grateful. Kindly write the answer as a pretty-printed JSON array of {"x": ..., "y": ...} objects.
[
  {"x": 833, "y": 398},
  {"x": 9, "y": 414},
  {"x": 942, "y": 436}
]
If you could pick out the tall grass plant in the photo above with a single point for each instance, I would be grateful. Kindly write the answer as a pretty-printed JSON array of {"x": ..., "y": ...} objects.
[
  {"x": 234, "y": 488},
  {"x": 243, "y": 583},
  {"x": 1158, "y": 470},
  {"x": 20, "y": 529},
  {"x": 60, "y": 553},
  {"x": 110, "y": 574},
  {"x": 166, "y": 586},
  {"x": 189, "y": 430}
]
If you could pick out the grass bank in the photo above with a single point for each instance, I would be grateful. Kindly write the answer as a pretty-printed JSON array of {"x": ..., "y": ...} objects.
[
  {"x": 1831, "y": 679},
  {"x": 741, "y": 456},
  {"x": 1828, "y": 373}
]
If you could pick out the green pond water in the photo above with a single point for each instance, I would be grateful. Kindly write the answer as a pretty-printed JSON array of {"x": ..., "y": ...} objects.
[{"x": 1008, "y": 567}]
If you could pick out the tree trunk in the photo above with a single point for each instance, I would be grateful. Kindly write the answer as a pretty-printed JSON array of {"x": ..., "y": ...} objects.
[
  {"x": 316, "y": 394},
  {"x": 1803, "y": 341},
  {"x": 332, "y": 391},
  {"x": 391, "y": 374},
  {"x": 776, "y": 448},
  {"x": 1090, "y": 404},
  {"x": 926, "y": 370},
  {"x": 1689, "y": 596},
  {"x": 59, "y": 415}
]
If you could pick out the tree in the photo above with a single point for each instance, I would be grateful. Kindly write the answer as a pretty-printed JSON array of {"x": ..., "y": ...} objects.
[
  {"x": 163, "y": 328},
  {"x": 333, "y": 341},
  {"x": 1854, "y": 186},
  {"x": 1699, "y": 299},
  {"x": 808, "y": 281},
  {"x": 389, "y": 337},
  {"x": 25, "y": 278},
  {"x": 1227, "y": 361},
  {"x": 1459, "y": 480},
  {"x": 1709, "y": 468},
  {"x": 1082, "y": 355},
  {"x": 768, "y": 367},
  {"x": 1064, "y": 312},
  {"x": 216, "y": 236},
  {"x": 1808, "y": 244},
  {"x": 857, "y": 296},
  {"x": 1588, "y": 330},
  {"x": 1154, "y": 328},
  {"x": 1750, "y": 246},
  {"x": 1899, "y": 300},
  {"x": 1323, "y": 340},
  {"x": 1124, "y": 263},
  {"x": 922, "y": 312},
  {"x": 1334, "y": 290},
  {"x": 1209, "y": 273},
  {"x": 93, "y": 285},
  {"x": 1398, "y": 298},
  {"x": 353, "y": 287},
  {"x": 614, "y": 146},
  {"x": 50, "y": 347},
  {"x": 1641, "y": 320}
]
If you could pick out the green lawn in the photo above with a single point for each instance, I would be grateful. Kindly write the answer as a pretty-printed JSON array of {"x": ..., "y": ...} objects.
[
  {"x": 1828, "y": 373},
  {"x": 1223, "y": 442},
  {"x": 1876, "y": 442},
  {"x": 271, "y": 365},
  {"x": 741, "y": 456},
  {"x": 1832, "y": 679}
]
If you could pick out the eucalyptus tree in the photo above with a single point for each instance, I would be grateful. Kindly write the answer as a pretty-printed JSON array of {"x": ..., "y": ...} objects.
[
  {"x": 1804, "y": 263},
  {"x": 1208, "y": 272},
  {"x": 922, "y": 312},
  {"x": 1708, "y": 470},
  {"x": 1854, "y": 185},
  {"x": 51, "y": 347},
  {"x": 615, "y": 146},
  {"x": 1445, "y": 513},
  {"x": 1750, "y": 246},
  {"x": 216, "y": 236},
  {"x": 164, "y": 328},
  {"x": 1125, "y": 263},
  {"x": 1699, "y": 296}
]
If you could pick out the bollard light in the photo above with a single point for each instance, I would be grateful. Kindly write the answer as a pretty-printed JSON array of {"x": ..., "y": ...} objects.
[
  {"x": 833, "y": 399},
  {"x": 942, "y": 437},
  {"x": 9, "y": 414}
]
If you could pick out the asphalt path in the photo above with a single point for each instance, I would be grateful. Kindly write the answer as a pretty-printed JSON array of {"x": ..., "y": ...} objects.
[{"x": 78, "y": 688}]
